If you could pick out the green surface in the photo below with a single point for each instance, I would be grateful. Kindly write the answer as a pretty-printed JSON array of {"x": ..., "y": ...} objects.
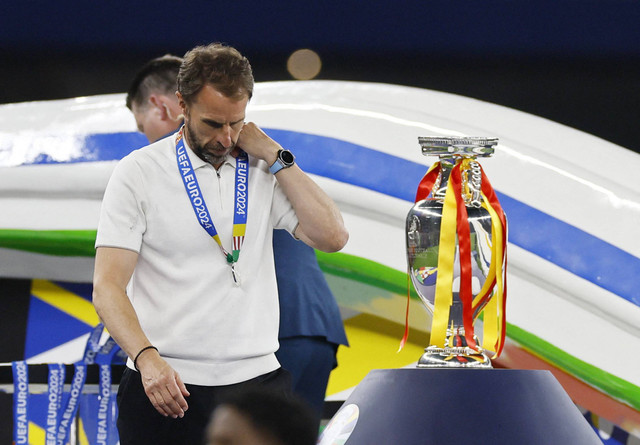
[{"x": 366, "y": 277}]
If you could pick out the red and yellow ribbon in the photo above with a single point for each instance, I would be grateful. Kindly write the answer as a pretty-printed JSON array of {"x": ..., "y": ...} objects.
[{"x": 455, "y": 235}]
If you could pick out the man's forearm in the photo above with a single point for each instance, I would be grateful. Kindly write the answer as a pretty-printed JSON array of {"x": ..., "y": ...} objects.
[
  {"x": 120, "y": 319},
  {"x": 321, "y": 225},
  {"x": 113, "y": 270}
]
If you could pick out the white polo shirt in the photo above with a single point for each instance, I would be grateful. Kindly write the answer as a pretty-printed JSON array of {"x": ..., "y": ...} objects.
[{"x": 209, "y": 330}]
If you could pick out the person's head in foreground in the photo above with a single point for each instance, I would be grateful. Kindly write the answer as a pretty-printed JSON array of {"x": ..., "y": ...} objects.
[{"x": 262, "y": 417}]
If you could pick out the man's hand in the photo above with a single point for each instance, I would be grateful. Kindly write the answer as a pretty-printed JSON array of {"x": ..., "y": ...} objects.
[
  {"x": 256, "y": 143},
  {"x": 320, "y": 222},
  {"x": 163, "y": 385}
]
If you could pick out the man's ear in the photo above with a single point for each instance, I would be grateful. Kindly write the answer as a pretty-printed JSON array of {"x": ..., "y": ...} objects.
[
  {"x": 158, "y": 103},
  {"x": 181, "y": 102}
]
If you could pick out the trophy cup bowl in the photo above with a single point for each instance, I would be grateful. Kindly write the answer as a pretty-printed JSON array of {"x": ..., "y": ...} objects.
[{"x": 423, "y": 229}]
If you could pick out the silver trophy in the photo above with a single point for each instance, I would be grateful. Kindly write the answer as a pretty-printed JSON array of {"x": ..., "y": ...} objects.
[{"x": 423, "y": 229}]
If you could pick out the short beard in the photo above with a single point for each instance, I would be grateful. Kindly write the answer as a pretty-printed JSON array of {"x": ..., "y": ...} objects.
[{"x": 204, "y": 152}]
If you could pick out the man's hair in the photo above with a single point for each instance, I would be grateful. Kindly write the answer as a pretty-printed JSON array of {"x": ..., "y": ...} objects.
[
  {"x": 159, "y": 75},
  {"x": 287, "y": 419},
  {"x": 218, "y": 65}
]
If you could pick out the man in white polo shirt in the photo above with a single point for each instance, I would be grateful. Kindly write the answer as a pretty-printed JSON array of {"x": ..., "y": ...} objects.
[{"x": 184, "y": 277}]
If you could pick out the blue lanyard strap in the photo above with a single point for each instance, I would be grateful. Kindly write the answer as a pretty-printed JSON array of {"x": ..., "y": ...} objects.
[
  {"x": 54, "y": 401},
  {"x": 20, "y": 402},
  {"x": 241, "y": 198},
  {"x": 105, "y": 357},
  {"x": 69, "y": 413},
  {"x": 79, "y": 378}
]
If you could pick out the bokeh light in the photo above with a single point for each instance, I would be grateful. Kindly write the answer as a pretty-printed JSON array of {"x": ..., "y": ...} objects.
[{"x": 304, "y": 64}]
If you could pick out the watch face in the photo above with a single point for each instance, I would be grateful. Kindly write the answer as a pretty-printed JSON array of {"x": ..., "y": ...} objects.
[{"x": 287, "y": 157}]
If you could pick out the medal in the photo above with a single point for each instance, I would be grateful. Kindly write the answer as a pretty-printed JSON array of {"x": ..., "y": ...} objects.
[
  {"x": 240, "y": 208},
  {"x": 235, "y": 275}
]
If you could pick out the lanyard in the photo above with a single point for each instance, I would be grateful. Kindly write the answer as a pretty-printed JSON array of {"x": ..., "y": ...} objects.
[
  {"x": 106, "y": 356},
  {"x": 54, "y": 401},
  {"x": 79, "y": 378},
  {"x": 20, "y": 403},
  {"x": 241, "y": 201}
]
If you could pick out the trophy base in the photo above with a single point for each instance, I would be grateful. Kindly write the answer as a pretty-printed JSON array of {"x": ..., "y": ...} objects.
[
  {"x": 423, "y": 406},
  {"x": 447, "y": 357}
]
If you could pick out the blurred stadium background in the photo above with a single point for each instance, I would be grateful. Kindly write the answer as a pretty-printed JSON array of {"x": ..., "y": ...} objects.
[{"x": 576, "y": 62}]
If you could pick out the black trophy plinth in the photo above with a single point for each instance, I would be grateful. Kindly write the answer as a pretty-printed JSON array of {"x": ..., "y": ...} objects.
[{"x": 459, "y": 406}]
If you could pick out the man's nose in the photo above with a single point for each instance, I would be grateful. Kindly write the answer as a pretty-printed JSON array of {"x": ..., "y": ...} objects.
[{"x": 224, "y": 137}]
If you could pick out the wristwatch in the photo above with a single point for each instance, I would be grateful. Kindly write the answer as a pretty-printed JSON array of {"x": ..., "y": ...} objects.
[{"x": 284, "y": 160}]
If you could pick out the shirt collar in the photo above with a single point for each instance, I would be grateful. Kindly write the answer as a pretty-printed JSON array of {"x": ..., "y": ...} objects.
[{"x": 197, "y": 163}]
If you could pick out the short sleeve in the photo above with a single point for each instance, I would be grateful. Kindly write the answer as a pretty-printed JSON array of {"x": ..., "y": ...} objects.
[
  {"x": 122, "y": 219},
  {"x": 283, "y": 216}
]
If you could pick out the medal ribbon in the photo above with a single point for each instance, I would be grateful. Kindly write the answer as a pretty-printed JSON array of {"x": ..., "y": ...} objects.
[
  {"x": 79, "y": 378},
  {"x": 20, "y": 402},
  {"x": 55, "y": 389},
  {"x": 241, "y": 198},
  {"x": 105, "y": 358}
]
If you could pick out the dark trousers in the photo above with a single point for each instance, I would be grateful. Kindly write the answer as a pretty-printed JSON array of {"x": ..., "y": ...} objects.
[
  {"x": 139, "y": 423},
  {"x": 310, "y": 361}
]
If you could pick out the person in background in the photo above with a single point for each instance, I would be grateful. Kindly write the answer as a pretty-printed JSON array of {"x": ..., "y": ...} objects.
[
  {"x": 152, "y": 98},
  {"x": 184, "y": 276},
  {"x": 311, "y": 328},
  {"x": 261, "y": 417}
]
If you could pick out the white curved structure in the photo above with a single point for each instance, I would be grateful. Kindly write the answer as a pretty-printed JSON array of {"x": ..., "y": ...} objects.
[{"x": 573, "y": 203}]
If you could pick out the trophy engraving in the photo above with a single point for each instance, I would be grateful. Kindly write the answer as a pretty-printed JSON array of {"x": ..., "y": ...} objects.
[{"x": 456, "y": 252}]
